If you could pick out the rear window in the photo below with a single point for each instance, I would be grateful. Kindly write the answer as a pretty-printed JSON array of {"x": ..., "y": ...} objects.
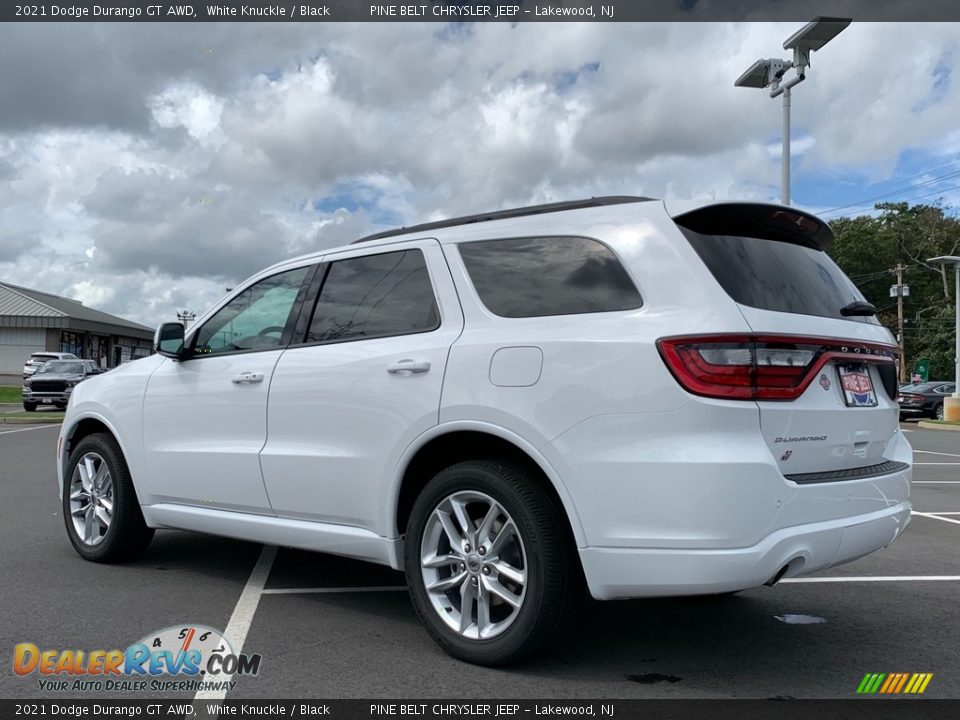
[
  {"x": 777, "y": 275},
  {"x": 536, "y": 277}
]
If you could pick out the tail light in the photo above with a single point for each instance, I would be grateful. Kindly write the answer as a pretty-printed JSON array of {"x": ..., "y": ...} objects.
[
  {"x": 912, "y": 398},
  {"x": 762, "y": 367}
]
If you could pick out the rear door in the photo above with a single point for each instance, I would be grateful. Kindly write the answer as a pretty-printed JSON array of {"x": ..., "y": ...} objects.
[
  {"x": 772, "y": 261},
  {"x": 363, "y": 383}
]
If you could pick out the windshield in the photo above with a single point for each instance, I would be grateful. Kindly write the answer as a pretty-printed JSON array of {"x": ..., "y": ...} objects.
[{"x": 62, "y": 367}]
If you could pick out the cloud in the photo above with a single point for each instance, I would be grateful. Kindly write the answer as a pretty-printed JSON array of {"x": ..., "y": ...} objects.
[{"x": 148, "y": 166}]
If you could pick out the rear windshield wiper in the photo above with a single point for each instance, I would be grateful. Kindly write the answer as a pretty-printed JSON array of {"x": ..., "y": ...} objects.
[{"x": 858, "y": 307}]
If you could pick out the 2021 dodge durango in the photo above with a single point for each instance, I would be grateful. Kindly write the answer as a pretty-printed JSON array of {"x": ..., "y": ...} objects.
[{"x": 510, "y": 406}]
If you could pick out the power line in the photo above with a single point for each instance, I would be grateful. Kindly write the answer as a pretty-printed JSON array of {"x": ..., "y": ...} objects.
[{"x": 899, "y": 191}]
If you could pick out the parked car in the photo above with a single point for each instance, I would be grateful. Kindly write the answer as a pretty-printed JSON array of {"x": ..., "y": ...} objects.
[
  {"x": 511, "y": 405},
  {"x": 924, "y": 399},
  {"x": 53, "y": 383},
  {"x": 39, "y": 358}
]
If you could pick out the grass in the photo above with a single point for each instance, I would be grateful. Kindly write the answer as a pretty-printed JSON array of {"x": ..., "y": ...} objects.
[
  {"x": 39, "y": 416},
  {"x": 10, "y": 394},
  {"x": 944, "y": 422}
]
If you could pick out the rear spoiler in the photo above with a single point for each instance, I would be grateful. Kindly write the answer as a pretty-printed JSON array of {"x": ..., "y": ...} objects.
[{"x": 758, "y": 220}]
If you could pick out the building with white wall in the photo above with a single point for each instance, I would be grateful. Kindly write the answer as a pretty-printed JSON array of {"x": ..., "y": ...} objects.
[{"x": 31, "y": 321}]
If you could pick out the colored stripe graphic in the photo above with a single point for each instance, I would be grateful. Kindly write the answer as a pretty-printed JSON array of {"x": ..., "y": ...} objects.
[
  {"x": 903, "y": 680},
  {"x": 894, "y": 683}
]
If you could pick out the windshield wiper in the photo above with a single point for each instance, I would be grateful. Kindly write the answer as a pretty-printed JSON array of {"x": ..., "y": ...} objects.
[{"x": 859, "y": 308}]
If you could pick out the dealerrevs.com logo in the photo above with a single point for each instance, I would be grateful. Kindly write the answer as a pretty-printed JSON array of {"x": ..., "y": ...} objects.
[{"x": 178, "y": 658}]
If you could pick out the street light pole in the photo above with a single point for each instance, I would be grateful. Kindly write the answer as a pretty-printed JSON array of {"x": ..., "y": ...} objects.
[
  {"x": 785, "y": 151},
  {"x": 951, "y": 405},
  {"x": 768, "y": 73}
]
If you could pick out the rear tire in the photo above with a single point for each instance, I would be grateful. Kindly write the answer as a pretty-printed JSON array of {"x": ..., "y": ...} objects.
[
  {"x": 100, "y": 506},
  {"x": 938, "y": 412},
  {"x": 519, "y": 574},
  {"x": 29, "y": 407}
]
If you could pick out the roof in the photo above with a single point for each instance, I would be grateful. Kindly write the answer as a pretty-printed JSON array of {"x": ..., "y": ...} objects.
[
  {"x": 24, "y": 302},
  {"x": 507, "y": 214}
]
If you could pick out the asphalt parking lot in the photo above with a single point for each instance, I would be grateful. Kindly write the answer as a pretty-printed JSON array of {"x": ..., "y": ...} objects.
[{"x": 333, "y": 628}]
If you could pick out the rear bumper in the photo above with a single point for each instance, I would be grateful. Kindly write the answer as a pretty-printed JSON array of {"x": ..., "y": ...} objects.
[{"x": 627, "y": 572}]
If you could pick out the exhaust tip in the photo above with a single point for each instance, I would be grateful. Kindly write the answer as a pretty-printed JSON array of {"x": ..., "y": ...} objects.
[
  {"x": 795, "y": 564},
  {"x": 776, "y": 578}
]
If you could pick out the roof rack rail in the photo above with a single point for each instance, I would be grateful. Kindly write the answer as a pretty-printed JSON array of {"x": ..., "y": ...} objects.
[{"x": 505, "y": 214}]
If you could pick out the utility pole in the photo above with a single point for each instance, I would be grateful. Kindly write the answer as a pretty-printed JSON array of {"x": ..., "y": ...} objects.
[{"x": 900, "y": 290}]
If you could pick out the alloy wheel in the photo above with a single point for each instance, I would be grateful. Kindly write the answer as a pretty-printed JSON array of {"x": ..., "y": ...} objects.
[
  {"x": 474, "y": 565},
  {"x": 91, "y": 498}
]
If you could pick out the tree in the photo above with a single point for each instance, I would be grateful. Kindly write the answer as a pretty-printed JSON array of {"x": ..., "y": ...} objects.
[{"x": 868, "y": 247}]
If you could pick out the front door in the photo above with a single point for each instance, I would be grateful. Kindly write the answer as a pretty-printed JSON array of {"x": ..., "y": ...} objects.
[
  {"x": 205, "y": 418},
  {"x": 364, "y": 383}
]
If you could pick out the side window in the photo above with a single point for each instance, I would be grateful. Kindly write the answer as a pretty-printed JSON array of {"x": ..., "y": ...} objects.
[
  {"x": 255, "y": 319},
  {"x": 534, "y": 277},
  {"x": 374, "y": 296}
]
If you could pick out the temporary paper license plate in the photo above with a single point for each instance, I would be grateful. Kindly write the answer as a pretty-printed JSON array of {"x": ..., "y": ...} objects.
[{"x": 857, "y": 386}]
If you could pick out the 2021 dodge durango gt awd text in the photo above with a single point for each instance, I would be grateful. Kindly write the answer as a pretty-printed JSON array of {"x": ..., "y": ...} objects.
[{"x": 509, "y": 406}]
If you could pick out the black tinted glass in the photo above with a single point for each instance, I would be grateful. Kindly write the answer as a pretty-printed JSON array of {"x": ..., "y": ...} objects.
[
  {"x": 375, "y": 296},
  {"x": 775, "y": 275},
  {"x": 531, "y": 277}
]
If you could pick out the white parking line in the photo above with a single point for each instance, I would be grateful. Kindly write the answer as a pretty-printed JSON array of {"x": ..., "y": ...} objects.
[
  {"x": 239, "y": 624},
  {"x": 35, "y": 427},
  {"x": 937, "y": 512},
  {"x": 325, "y": 590},
  {"x": 880, "y": 578},
  {"x": 943, "y": 464},
  {"x": 934, "y": 452},
  {"x": 935, "y": 517},
  {"x": 935, "y": 482}
]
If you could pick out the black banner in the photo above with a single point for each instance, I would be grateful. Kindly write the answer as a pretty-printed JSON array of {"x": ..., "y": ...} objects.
[
  {"x": 485, "y": 709},
  {"x": 473, "y": 11}
]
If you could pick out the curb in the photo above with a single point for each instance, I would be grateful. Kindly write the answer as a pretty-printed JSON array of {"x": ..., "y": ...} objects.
[
  {"x": 30, "y": 421},
  {"x": 935, "y": 426}
]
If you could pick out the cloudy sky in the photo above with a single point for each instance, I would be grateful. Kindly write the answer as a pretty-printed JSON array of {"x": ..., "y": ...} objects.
[{"x": 144, "y": 168}]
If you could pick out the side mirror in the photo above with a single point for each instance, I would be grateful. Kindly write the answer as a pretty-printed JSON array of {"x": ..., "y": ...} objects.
[{"x": 168, "y": 340}]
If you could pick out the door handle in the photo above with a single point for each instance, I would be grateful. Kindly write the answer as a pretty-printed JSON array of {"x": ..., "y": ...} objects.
[
  {"x": 248, "y": 378},
  {"x": 408, "y": 366}
]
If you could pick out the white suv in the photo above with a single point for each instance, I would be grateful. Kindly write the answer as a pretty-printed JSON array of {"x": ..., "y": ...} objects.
[{"x": 506, "y": 406}]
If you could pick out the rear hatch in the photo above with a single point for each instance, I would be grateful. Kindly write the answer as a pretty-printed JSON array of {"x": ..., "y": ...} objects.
[{"x": 821, "y": 367}]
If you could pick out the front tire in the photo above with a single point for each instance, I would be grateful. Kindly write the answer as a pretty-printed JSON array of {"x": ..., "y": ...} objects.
[
  {"x": 29, "y": 406},
  {"x": 492, "y": 573},
  {"x": 100, "y": 507}
]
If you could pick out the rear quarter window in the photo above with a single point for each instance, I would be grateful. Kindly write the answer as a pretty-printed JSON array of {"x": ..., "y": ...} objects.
[{"x": 536, "y": 277}]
